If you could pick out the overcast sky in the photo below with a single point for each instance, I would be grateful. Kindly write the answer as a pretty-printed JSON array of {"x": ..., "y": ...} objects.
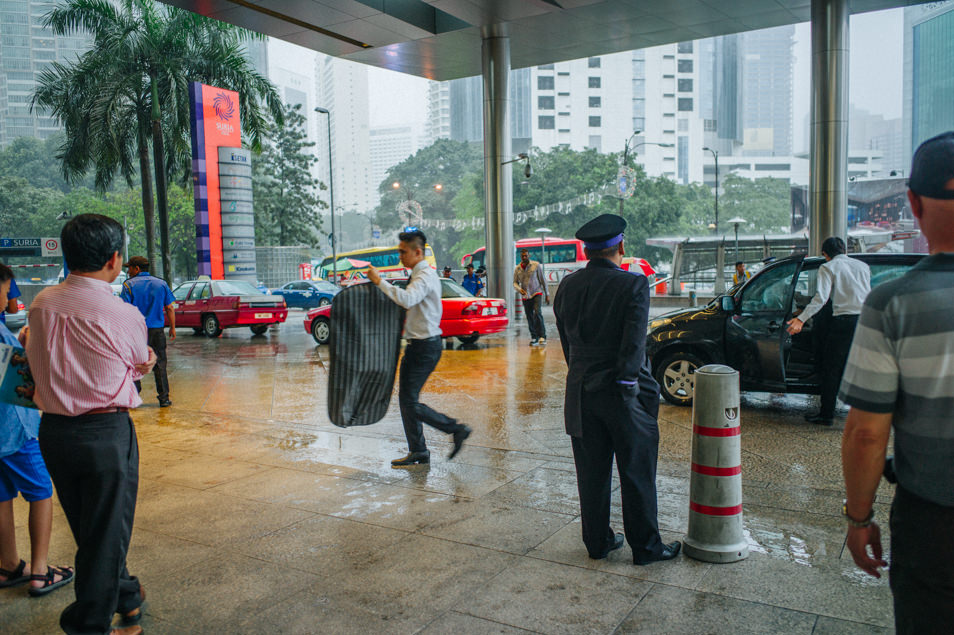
[{"x": 876, "y": 60}]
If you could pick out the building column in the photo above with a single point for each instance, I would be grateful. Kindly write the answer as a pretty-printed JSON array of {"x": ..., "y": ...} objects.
[
  {"x": 828, "y": 174},
  {"x": 498, "y": 183}
]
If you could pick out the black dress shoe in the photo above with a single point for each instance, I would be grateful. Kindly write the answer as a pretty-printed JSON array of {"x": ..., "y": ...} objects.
[
  {"x": 462, "y": 433},
  {"x": 819, "y": 418},
  {"x": 164, "y": 403},
  {"x": 413, "y": 458},
  {"x": 669, "y": 552},
  {"x": 618, "y": 541}
]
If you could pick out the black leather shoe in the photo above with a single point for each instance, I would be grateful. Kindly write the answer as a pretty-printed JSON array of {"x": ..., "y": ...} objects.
[
  {"x": 820, "y": 419},
  {"x": 164, "y": 403},
  {"x": 413, "y": 458},
  {"x": 669, "y": 552},
  {"x": 462, "y": 433},
  {"x": 617, "y": 544}
]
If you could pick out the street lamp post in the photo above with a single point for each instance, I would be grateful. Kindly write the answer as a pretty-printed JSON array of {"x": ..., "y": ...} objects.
[
  {"x": 715, "y": 154},
  {"x": 626, "y": 149},
  {"x": 736, "y": 221},
  {"x": 331, "y": 196}
]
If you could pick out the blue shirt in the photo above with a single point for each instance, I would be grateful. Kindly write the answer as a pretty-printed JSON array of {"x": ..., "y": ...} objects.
[
  {"x": 17, "y": 424},
  {"x": 151, "y": 296},
  {"x": 472, "y": 283},
  {"x": 14, "y": 293}
]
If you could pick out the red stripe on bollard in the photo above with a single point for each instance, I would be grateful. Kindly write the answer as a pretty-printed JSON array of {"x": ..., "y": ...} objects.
[
  {"x": 717, "y": 432},
  {"x": 716, "y": 471},
  {"x": 715, "y": 511}
]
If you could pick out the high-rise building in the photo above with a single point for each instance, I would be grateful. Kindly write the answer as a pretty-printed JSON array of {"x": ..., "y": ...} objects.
[
  {"x": 928, "y": 60},
  {"x": 26, "y": 48},
  {"x": 343, "y": 90},
  {"x": 767, "y": 91},
  {"x": 867, "y": 131},
  {"x": 467, "y": 109},
  {"x": 438, "y": 111},
  {"x": 389, "y": 145}
]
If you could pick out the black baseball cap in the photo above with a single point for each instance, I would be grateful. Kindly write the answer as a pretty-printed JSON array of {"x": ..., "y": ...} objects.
[{"x": 933, "y": 167}]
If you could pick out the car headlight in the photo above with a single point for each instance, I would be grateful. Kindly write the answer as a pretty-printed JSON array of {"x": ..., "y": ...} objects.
[{"x": 655, "y": 324}]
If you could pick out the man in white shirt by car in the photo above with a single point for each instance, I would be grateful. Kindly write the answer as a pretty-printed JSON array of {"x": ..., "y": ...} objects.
[
  {"x": 846, "y": 283},
  {"x": 422, "y": 329}
]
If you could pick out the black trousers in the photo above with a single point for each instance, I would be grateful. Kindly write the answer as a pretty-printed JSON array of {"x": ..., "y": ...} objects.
[
  {"x": 94, "y": 463},
  {"x": 420, "y": 359},
  {"x": 157, "y": 340},
  {"x": 837, "y": 338},
  {"x": 616, "y": 424},
  {"x": 534, "y": 313},
  {"x": 922, "y": 579}
]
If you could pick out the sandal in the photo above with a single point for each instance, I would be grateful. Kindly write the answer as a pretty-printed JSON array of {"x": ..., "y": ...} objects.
[
  {"x": 47, "y": 578},
  {"x": 133, "y": 617},
  {"x": 14, "y": 577}
]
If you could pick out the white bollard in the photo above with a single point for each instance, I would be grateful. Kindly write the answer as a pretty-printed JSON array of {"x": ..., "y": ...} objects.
[{"x": 715, "y": 483}]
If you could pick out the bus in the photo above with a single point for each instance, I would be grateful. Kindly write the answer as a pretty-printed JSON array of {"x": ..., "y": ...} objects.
[
  {"x": 386, "y": 260},
  {"x": 563, "y": 256}
]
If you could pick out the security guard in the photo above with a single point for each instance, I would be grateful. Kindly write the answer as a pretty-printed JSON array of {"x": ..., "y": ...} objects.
[
  {"x": 611, "y": 398},
  {"x": 153, "y": 299}
]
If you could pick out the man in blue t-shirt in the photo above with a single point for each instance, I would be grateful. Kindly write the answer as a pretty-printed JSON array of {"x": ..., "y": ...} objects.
[
  {"x": 11, "y": 305},
  {"x": 155, "y": 301},
  {"x": 472, "y": 281}
]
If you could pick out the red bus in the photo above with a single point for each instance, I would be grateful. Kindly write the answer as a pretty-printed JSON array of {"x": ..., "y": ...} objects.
[{"x": 563, "y": 256}]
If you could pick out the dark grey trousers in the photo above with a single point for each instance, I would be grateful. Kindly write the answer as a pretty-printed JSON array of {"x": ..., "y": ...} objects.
[
  {"x": 420, "y": 359},
  {"x": 532, "y": 307},
  {"x": 157, "y": 341},
  {"x": 616, "y": 424},
  {"x": 94, "y": 463},
  {"x": 922, "y": 579}
]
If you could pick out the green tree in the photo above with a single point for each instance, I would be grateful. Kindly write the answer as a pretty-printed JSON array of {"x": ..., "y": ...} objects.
[
  {"x": 446, "y": 163},
  {"x": 285, "y": 193},
  {"x": 26, "y": 210},
  {"x": 130, "y": 90},
  {"x": 764, "y": 203},
  {"x": 29, "y": 157}
]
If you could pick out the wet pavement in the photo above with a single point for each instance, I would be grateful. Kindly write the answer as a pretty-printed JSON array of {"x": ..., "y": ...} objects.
[{"x": 257, "y": 515}]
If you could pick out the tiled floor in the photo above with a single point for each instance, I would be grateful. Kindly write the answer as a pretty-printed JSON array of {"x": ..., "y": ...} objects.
[{"x": 256, "y": 515}]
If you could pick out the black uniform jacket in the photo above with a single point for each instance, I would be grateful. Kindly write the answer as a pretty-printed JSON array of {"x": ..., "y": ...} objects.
[{"x": 602, "y": 313}]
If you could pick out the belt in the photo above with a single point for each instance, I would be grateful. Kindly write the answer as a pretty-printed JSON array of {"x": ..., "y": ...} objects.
[{"x": 105, "y": 411}]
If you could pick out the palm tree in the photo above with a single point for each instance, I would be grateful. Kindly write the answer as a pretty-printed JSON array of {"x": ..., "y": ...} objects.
[{"x": 131, "y": 89}]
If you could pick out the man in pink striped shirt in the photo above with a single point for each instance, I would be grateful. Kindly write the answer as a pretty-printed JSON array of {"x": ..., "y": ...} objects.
[{"x": 86, "y": 350}]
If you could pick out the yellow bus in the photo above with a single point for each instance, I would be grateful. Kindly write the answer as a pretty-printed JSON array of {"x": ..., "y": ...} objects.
[{"x": 353, "y": 265}]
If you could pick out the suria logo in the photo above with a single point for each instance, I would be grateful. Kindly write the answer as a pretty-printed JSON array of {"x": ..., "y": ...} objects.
[{"x": 224, "y": 110}]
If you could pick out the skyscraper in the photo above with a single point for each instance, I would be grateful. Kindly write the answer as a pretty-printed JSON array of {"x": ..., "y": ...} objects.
[
  {"x": 767, "y": 85},
  {"x": 928, "y": 79},
  {"x": 26, "y": 48},
  {"x": 343, "y": 90}
]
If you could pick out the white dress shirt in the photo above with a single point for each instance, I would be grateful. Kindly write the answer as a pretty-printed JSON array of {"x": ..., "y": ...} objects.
[
  {"x": 846, "y": 280},
  {"x": 422, "y": 299}
]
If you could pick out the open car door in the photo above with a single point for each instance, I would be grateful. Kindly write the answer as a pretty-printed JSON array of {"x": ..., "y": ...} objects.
[{"x": 756, "y": 341}]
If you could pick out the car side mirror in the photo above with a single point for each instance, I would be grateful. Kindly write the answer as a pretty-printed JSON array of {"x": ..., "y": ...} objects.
[{"x": 728, "y": 303}]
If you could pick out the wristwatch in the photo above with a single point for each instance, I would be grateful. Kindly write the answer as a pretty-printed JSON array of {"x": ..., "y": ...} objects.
[{"x": 856, "y": 523}]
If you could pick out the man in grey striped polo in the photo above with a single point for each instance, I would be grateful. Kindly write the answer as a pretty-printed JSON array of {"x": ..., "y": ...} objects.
[{"x": 901, "y": 374}]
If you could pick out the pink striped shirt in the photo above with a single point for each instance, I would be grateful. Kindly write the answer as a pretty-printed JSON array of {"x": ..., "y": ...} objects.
[{"x": 83, "y": 348}]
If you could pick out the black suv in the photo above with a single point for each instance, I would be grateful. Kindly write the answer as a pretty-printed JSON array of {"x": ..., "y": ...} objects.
[{"x": 745, "y": 329}]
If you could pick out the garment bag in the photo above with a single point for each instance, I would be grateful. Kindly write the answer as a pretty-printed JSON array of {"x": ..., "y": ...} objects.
[{"x": 365, "y": 345}]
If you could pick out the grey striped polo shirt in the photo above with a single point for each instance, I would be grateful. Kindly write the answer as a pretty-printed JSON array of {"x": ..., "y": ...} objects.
[{"x": 902, "y": 361}]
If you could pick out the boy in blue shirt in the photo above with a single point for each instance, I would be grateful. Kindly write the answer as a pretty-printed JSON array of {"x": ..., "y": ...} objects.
[{"x": 22, "y": 471}]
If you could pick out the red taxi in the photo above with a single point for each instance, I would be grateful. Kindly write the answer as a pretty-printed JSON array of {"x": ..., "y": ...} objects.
[
  {"x": 208, "y": 306},
  {"x": 465, "y": 316}
]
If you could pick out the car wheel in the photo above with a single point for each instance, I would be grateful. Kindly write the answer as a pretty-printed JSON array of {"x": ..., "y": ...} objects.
[
  {"x": 259, "y": 329},
  {"x": 324, "y": 302},
  {"x": 321, "y": 330},
  {"x": 468, "y": 339},
  {"x": 676, "y": 377},
  {"x": 210, "y": 326}
]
